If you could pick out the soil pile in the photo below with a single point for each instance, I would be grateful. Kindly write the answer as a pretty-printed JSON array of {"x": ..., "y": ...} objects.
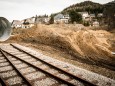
[{"x": 82, "y": 43}]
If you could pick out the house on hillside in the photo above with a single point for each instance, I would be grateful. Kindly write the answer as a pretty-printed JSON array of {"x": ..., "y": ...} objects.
[
  {"x": 92, "y": 15},
  {"x": 46, "y": 20},
  {"x": 66, "y": 16},
  {"x": 28, "y": 23},
  {"x": 60, "y": 18},
  {"x": 85, "y": 16},
  {"x": 42, "y": 19},
  {"x": 96, "y": 23},
  {"x": 100, "y": 15},
  {"x": 16, "y": 24}
]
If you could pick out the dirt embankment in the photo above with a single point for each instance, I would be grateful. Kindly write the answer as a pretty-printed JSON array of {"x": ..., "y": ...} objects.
[{"x": 90, "y": 46}]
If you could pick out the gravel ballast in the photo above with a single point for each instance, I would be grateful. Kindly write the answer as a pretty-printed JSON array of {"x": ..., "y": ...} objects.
[
  {"x": 45, "y": 82},
  {"x": 14, "y": 80},
  {"x": 77, "y": 71},
  {"x": 7, "y": 68},
  {"x": 35, "y": 75},
  {"x": 8, "y": 74},
  {"x": 85, "y": 74}
]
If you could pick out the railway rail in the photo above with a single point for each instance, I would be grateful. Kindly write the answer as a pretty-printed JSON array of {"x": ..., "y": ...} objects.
[{"x": 20, "y": 67}]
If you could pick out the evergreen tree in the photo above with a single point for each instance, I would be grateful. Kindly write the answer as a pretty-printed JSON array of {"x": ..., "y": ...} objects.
[
  {"x": 51, "y": 19},
  {"x": 75, "y": 17}
]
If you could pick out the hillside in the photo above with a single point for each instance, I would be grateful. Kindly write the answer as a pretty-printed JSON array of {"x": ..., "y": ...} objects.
[
  {"x": 89, "y": 6},
  {"x": 89, "y": 46}
]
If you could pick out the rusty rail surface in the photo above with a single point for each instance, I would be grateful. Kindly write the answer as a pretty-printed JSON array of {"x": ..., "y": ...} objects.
[
  {"x": 48, "y": 73},
  {"x": 3, "y": 82},
  {"x": 17, "y": 70}
]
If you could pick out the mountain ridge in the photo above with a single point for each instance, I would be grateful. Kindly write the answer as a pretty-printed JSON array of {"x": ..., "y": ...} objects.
[{"x": 85, "y": 6}]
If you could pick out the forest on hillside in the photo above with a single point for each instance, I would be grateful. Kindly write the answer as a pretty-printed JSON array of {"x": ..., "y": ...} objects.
[
  {"x": 107, "y": 10},
  {"x": 88, "y": 6}
]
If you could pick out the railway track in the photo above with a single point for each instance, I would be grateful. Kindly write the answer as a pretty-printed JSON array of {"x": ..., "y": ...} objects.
[{"x": 20, "y": 67}]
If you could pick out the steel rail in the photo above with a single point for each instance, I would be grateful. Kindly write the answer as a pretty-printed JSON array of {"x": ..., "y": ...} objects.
[
  {"x": 65, "y": 72},
  {"x": 46, "y": 72},
  {"x": 3, "y": 82},
  {"x": 17, "y": 70}
]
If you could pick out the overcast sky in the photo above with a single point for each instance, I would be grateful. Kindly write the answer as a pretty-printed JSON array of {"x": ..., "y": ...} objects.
[{"x": 21, "y": 9}]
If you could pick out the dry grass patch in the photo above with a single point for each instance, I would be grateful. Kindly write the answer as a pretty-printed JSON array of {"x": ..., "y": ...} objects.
[{"x": 84, "y": 44}]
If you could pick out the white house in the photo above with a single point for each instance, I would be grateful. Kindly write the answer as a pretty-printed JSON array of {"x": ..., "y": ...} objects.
[
  {"x": 28, "y": 23},
  {"x": 16, "y": 24},
  {"x": 67, "y": 16},
  {"x": 100, "y": 15},
  {"x": 46, "y": 20},
  {"x": 60, "y": 18},
  {"x": 85, "y": 15},
  {"x": 96, "y": 23},
  {"x": 92, "y": 16},
  {"x": 42, "y": 20},
  {"x": 64, "y": 21}
]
